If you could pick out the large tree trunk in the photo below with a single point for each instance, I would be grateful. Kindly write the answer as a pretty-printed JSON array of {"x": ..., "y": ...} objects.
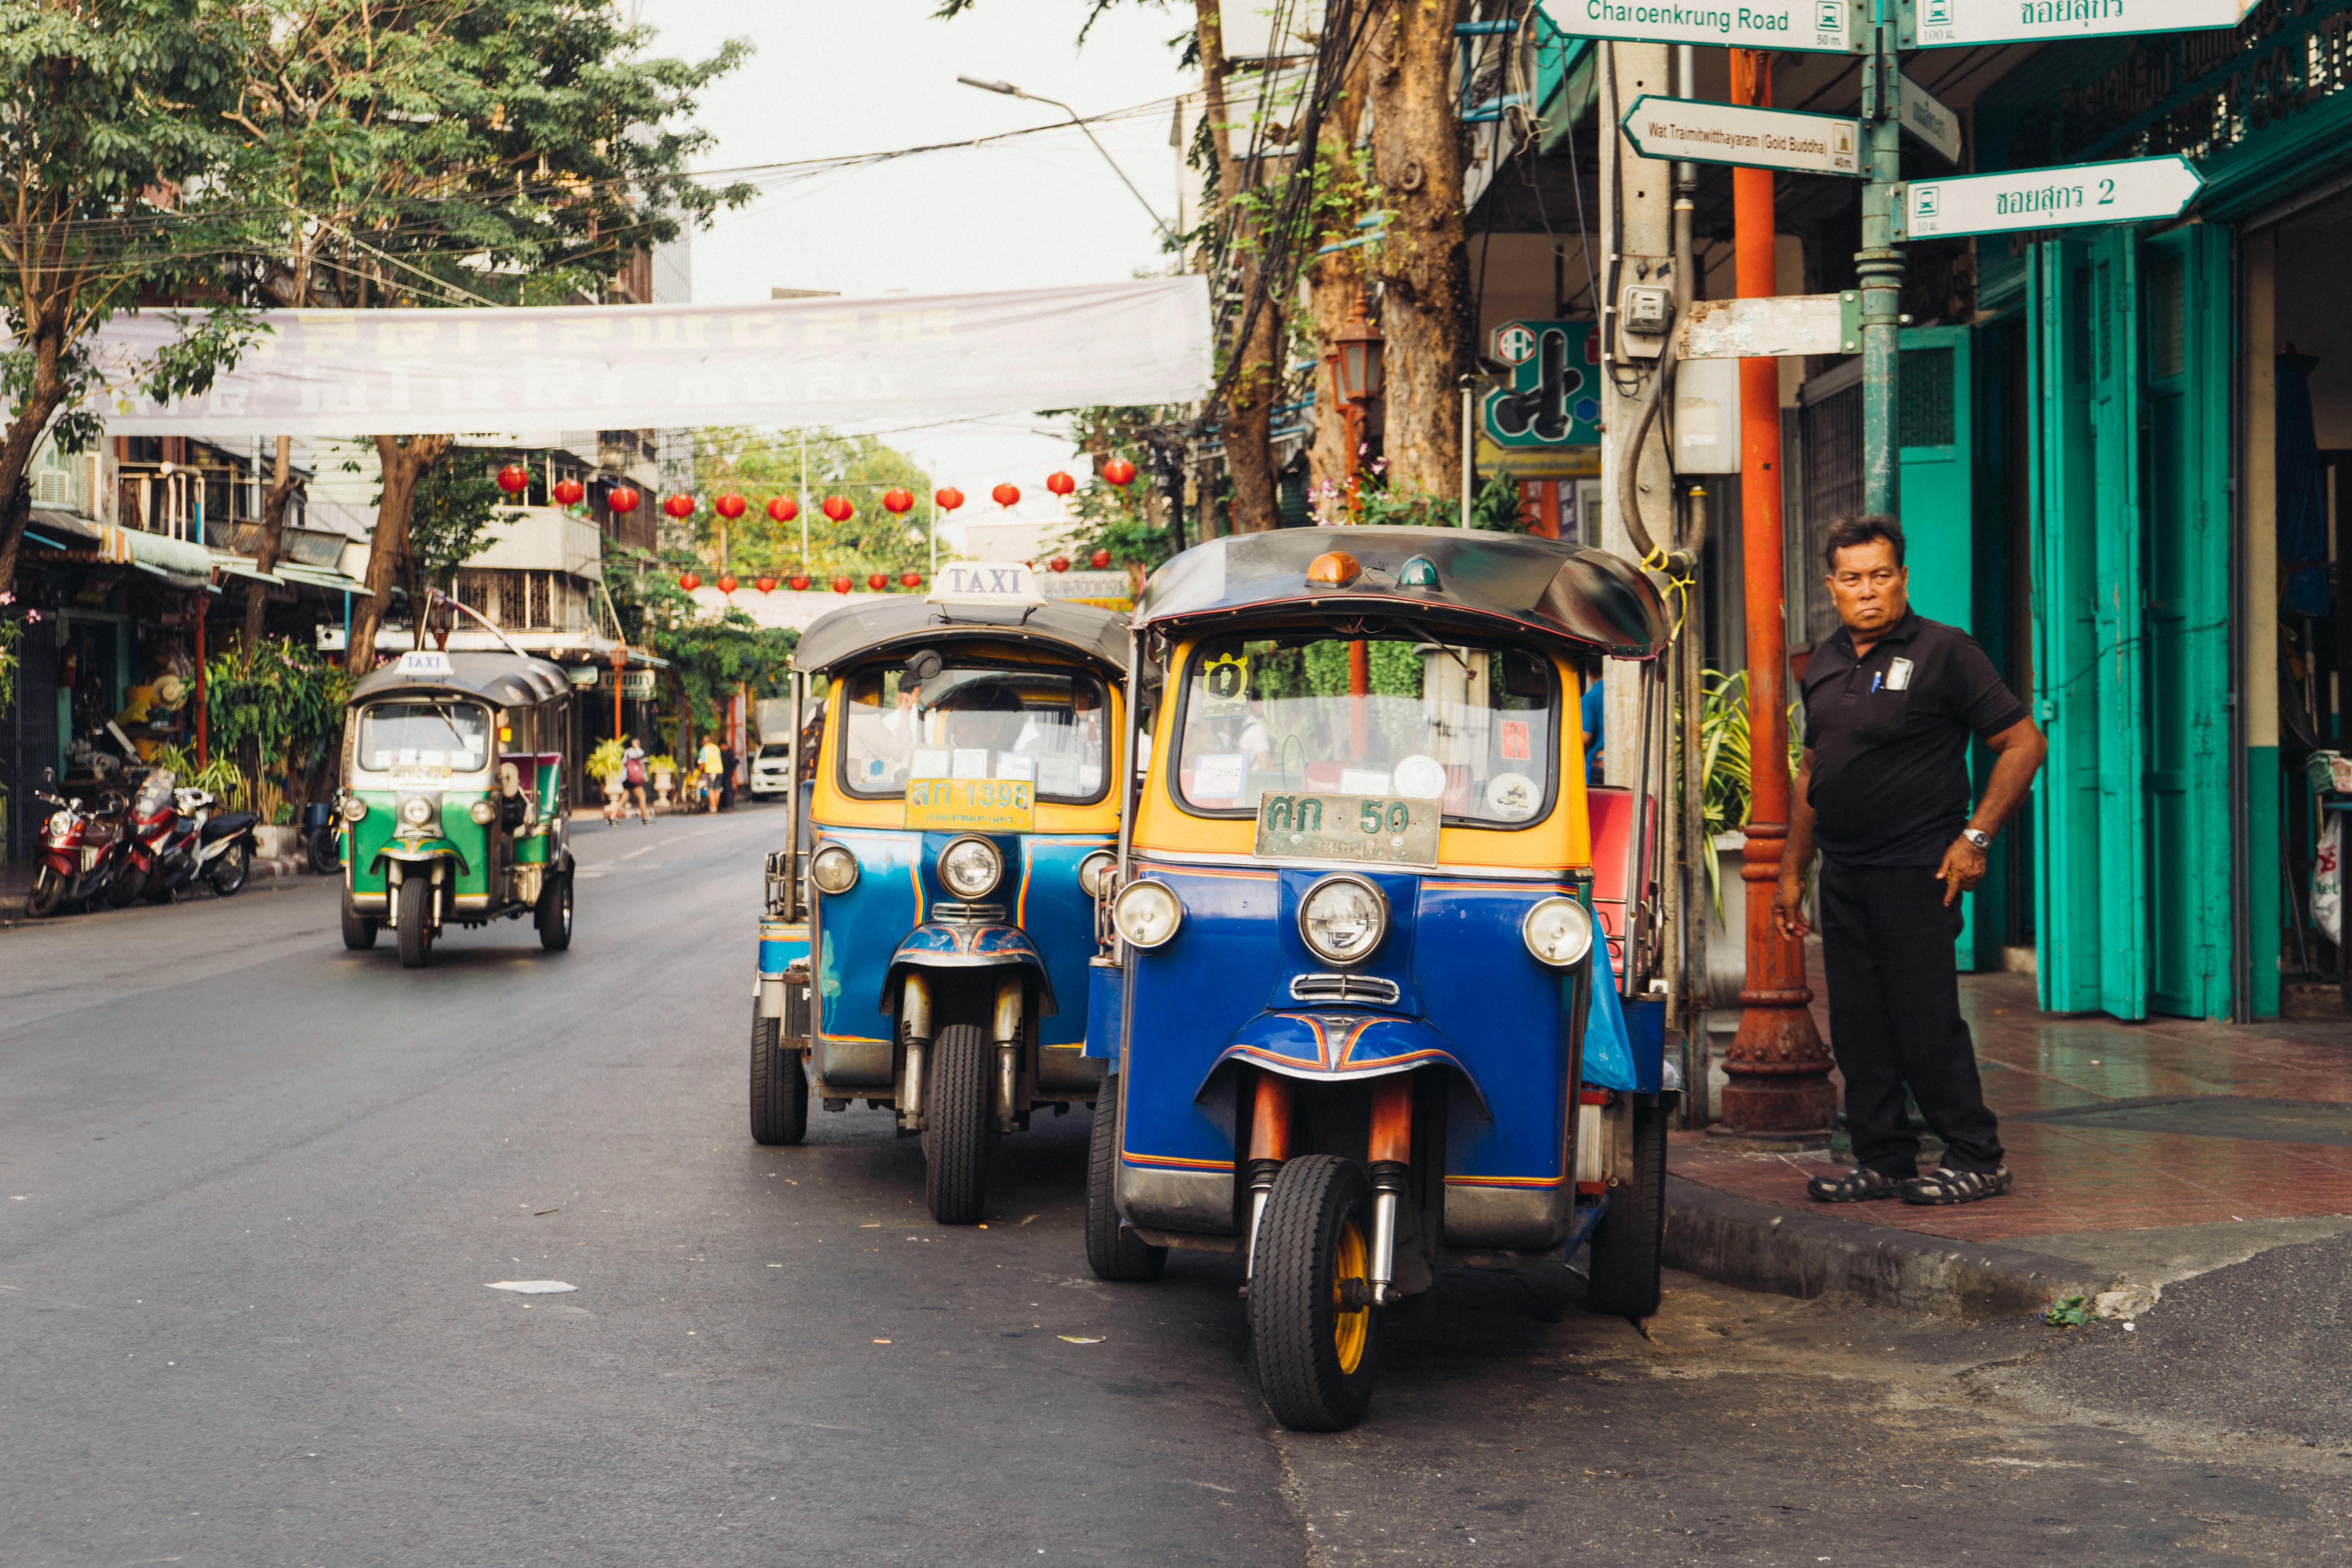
[
  {"x": 1257, "y": 381},
  {"x": 404, "y": 461},
  {"x": 1335, "y": 284},
  {"x": 283, "y": 485},
  {"x": 23, "y": 437},
  {"x": 1424, "y": 265}
]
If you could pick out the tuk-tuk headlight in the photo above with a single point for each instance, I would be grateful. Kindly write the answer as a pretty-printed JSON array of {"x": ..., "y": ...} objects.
[
  {"x": 834, "y": 869},
  {"x": 1095, "y": 872},
  {"x": 1342, "y": 919},
  {"x": 481, "y": 812},
  {"x": 1147, "y": 913},
  {"x": 416, "y": 811},
  {"x": 1558, "y": 931},
  {"x": 970, "y": 867},
  {"x": 354, "y": 809}
]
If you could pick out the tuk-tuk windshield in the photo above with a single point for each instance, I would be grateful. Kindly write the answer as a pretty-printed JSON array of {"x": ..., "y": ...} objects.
[
  {"x": 975, "y": 722},
  {"x": 453, "y": 735},
  {"x": 1472, "y": 727}
]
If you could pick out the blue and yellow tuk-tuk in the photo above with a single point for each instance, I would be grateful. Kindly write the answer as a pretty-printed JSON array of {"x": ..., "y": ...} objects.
[
  {"x": 932, "y": 920},
  {"x": 1361, "y": 1019}
]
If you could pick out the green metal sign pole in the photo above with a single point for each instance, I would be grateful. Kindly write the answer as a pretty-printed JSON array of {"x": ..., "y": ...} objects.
[{"x": 1879, "y": 265}]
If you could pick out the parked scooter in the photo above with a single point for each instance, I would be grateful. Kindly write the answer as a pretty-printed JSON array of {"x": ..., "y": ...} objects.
[
  {"x": 322, "y": 834},
  {"x": 83, "y": 857},
  {"x": 177, "y": 841}
]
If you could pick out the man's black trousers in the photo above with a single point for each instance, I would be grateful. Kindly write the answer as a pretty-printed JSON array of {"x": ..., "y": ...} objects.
[{"x": 1895, "y": 1017}]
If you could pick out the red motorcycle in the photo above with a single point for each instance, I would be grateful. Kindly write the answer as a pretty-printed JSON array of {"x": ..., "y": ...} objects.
[
  {"x": 177, "y": 841},
  {"x": 81, "y": 861}
]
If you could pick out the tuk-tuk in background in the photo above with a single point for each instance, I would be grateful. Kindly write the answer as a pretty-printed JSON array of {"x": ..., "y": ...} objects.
[
  {"x": 932, "y": 918},
  {"x": 1358, "y": 1011},
  {"x": 456, "y": 806}
]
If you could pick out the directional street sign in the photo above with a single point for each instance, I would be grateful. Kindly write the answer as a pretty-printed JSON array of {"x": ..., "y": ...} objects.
[
  {"x": 1937, "y": 127},
  {"x": 1772, "y": 326},
  {"x": 2127, "y": 191},
  {"x": 1816, "y": 27},
  {"x": 1706, "y": 132},
  {"x": 1939, "y": 23}
]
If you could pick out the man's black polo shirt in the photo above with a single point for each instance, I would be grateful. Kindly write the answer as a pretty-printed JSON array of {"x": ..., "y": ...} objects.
[{"x": 1889, "y": 735}]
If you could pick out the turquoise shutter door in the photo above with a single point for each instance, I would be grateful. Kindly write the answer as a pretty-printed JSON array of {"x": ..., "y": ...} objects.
[
  {"x": 2118, "y": 681},
  {"x": 1936, "y": 427}
]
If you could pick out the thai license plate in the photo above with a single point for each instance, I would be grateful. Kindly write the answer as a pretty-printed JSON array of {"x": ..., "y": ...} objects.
[
  {"x": 987, "y": 805},
  {"x": 1348, "y": 827}
]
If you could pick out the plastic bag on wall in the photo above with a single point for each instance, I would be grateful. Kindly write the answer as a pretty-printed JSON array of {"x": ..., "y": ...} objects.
[{"x": 2327, "y": 881}]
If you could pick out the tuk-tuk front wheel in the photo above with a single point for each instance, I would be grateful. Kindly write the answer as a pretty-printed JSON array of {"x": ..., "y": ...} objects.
[
  {"x": 956, "y": 1133},
  {"x": 780, "y": 1094},
  {"x": 415, "y": 923},
  {"x": 553, "y": 915},
  {"x": 1629, "y": 1244},
  {"x": 1313, "y": 1333},
  {"x": 1113, "y": 1250},
  {"x": 359, "y": 931}
]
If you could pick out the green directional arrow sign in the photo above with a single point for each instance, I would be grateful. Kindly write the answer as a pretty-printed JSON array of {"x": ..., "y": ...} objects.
[
  {"x": 1702, "y": 132},
  {"x": 1936, "y": 23},
  {"x": 2131, "y": 191},
  {"x": 1817, "y": 26}
]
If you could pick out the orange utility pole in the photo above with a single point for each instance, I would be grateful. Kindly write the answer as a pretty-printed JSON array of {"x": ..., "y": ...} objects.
[{"x": 1778, "y": 1066}]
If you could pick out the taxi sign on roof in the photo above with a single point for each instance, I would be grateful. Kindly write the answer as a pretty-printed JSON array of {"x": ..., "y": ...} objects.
[
  {"x": 426, "y": 662},
  {"x": 985, "y": 583}
]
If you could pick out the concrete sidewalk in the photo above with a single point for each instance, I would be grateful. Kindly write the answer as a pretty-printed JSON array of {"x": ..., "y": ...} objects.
[{"x": 2143, "y": 1153}]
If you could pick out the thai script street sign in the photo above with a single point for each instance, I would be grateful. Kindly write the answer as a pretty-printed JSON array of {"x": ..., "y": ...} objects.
[
  {"x": 2131, "y": 191},
  {"x": 1939, "y": 23},
  {"x": 1704, "y": 132},
  {"x": 1818, "y": 26},
  {"x": 1937, "y": 127}
]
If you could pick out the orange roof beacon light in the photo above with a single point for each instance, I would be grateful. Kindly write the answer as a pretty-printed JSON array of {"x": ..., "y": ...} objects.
[{"x": 1332, "y": 569}]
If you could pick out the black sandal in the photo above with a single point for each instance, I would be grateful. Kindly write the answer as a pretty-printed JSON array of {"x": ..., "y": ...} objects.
[
  {"x": 1949, "y": 1186},
  {"x": 1860, "y": 1185}
]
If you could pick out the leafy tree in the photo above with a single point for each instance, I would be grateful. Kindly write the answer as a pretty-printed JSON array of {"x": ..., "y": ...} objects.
[
  {"x": 707, "y": 659},
  {"x": 760, "y": 464},
  {"x": 1137, "y": 523},
  {"x": 110, "y": 110},
  {"x": 448, "y": 519}
]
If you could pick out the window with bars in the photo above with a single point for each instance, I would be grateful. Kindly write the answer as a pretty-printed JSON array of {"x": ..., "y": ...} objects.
[
  {"x": 539, "y": 589},
  {"x": 513, "y": 601},
  {"x": 2168, "y": 328},
  {"x": 474, "y": 591},
  {"x": 1832, "y": 479},
  {"x": 1924, "y": 416}
]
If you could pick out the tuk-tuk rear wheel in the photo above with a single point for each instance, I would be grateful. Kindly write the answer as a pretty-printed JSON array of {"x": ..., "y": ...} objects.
[
  {"x": 780, "y": 1092},
  {"x": 415, "y": 923},
  {"x": 554, "y": 916},
  {"x": 956, "y": 1135},
  {"x": 1113, "y": 1250},
  {"x": 359, "y": 931},
  {"x": 1316, "y": 1356},
  {"x": 1629, "y": 1244}
]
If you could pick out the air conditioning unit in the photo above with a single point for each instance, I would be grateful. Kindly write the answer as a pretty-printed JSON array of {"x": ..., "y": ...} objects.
[{"x": 53, "y": 487}]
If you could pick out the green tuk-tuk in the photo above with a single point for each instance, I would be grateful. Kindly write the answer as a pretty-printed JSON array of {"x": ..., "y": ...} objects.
[{"x": 453, "y": 801}]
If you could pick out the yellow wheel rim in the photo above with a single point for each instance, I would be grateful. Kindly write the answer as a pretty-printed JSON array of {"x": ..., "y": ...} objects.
[{"x": 1350, "y": 1260}]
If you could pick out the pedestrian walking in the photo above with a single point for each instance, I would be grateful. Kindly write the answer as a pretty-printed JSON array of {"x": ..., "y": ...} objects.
[
  {"x": 727, "y": 778},
  {"x": 1891, "y": 700},
  {"x": 709, "y": 760},
  {"x": 633, "y": 783}
]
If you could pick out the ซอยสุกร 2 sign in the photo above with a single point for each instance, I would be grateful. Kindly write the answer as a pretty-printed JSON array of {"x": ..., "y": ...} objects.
[
  {"x": 2132, "y": 190},
  {"x": 1944, "y": 22},
  {"x": 1819, "y": 26}
]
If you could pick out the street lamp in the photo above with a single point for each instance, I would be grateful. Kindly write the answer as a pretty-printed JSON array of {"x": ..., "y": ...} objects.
[
  {"x": 1009, "y": 90},
  {"x": 1358, "y": 368}
]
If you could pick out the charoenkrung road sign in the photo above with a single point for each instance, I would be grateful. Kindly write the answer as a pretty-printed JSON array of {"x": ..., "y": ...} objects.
[
  {"x": 2131, "y": 191},
  {"x": 1937, "y": 23},
  {"x": 1818, "y": 26},
  {"x": 1704, "y": 132}
]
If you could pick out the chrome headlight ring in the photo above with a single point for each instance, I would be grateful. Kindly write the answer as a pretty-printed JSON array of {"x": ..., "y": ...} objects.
[
  {"x": 834, "y": 869},
  {"x": 1343, "y": 918},
  {"x": 417, "y": 811},
  {"x": 1095, "y": 871},
  {"x": 971, "y": 865},
  {"x": 482, "y": 811},
  {"x": 1147, "y": 913},
  {"x": 1557, "y": 932}
]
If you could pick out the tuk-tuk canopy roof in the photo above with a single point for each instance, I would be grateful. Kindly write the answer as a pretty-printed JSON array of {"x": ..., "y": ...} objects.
[
  {"x": 1491, "y": 582},
  {"x": 877, "y": 626},
  {"x": 503, "y": 680}
]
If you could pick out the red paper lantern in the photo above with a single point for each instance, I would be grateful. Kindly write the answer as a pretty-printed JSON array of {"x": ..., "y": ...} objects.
[
  {"x": 1120, "y": 471},
  {"x": 1007, "y": 494},
  {"x": 784, "y": 509},
  {"x": 1060, "y": 483},
  {"x": 1100, "y": 559},
  {"x": 841, "y": 584},
  {"x": 1059, "y": 563},
  {"x": 570, "y": 492},
  {"x": 898, "y": 501},
  {"x": 838, "y": 508},
  {"x": 765, "y": 584},
  {"x": 727, "y": 584},
  {"x": 947, "y": 500},
  {"x": 798, "y": 582},
  {"x": 680, "y": 507},
  {"x": 688, "y": 581},
  {"x": 730, "y": 506},
  {"x": 910, "y": 579},
  {"x": 514, "y": 479},
  {"x": 621, "y": 499},
  {"x": 877, "y": 582}
]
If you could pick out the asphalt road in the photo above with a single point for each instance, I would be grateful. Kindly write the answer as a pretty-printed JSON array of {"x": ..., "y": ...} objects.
[{"x": 253, "y": 1188}]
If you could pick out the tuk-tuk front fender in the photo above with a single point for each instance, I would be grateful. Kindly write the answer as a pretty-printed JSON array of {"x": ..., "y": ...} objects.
[
  {"x": 946, "y": 945},
  {"x": 1328, "y": 1045},
  {"x": 419, "y": 852}
]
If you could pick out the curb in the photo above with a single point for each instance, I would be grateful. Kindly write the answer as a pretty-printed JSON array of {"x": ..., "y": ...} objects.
[{"x": 1788, "y": 1252}]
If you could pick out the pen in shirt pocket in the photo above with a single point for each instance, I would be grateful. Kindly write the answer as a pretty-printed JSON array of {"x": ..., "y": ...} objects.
[{"x": 1876, "y": 681}]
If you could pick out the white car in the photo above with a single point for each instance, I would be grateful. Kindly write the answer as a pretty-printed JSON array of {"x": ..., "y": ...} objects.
[{"x": 772, "y": 769}]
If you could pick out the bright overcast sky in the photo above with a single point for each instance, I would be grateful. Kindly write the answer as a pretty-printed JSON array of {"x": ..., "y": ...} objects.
[{"x": 835, "y": 77}]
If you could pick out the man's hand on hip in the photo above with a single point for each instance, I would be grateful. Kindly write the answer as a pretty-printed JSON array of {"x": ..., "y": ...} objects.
[
  {"x": 1789, "y": 905},
  {"x": 1963, "y": 868}
]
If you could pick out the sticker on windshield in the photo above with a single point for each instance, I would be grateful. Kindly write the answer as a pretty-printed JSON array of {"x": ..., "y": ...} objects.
[
  {"x": 1217, "y": 776},
  {"x": 1224, "y": 686},
  {"x": 1421, "y": 776},
  {"x": 1513, "y": 796},
  {"x": 1515, "y": 739}
]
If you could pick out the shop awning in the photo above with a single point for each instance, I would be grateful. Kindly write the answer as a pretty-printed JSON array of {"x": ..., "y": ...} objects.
[{"x": 176, "y": 561}]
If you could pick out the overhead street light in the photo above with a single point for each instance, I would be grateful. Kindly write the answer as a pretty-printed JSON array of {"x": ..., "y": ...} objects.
[{"x": 1009, "y": 90}]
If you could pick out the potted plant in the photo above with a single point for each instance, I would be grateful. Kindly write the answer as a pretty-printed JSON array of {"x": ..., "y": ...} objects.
[
  {"x": 605, "y": 763},
  {"x": 665, "y": 772}
]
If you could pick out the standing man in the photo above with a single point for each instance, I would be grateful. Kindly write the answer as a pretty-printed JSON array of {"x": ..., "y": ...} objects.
[{"x": 1891, "y": 700}]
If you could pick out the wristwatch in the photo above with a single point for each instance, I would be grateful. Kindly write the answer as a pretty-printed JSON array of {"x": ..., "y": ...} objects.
[{"x": 1977, "y": 837}]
